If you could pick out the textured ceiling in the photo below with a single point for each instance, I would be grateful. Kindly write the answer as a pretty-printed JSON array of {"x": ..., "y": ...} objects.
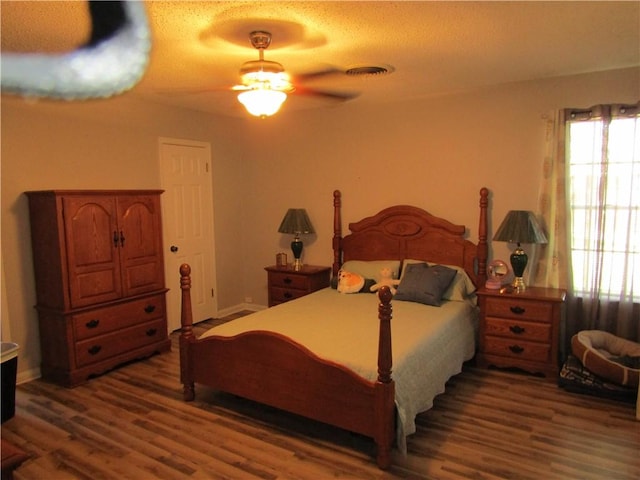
[{"x": 434, "y": 47}]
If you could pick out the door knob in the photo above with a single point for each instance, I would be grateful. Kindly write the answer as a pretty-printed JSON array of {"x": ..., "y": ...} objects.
[{"x": 173, "y": 248}]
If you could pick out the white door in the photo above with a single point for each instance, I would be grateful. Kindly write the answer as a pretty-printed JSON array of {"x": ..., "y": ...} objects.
[{"x": 187, "y": 219}]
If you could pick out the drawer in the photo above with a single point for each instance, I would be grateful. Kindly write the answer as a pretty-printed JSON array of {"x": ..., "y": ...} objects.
[
  {"x": 512, "y": 348},
  {"x": 518, "y": 309},
  {"x": 518, "y": 329},
  {"x": 280, "y": 295},
  {"x": 285, "y": 280},
  {"x": 112, "y": 344},
  {"x": 116, "y": 317}
]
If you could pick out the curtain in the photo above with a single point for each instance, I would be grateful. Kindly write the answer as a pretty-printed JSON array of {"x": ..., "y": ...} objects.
[
  {"x": 552, "y": 269},
  {"x": 590, "y": 192}
]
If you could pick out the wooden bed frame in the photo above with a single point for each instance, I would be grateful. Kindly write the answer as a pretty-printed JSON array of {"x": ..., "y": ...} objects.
[{"x": 272, "y": 369}]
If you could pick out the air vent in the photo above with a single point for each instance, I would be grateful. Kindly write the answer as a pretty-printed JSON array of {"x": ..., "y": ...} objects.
[{"x": 369, "y": 71}]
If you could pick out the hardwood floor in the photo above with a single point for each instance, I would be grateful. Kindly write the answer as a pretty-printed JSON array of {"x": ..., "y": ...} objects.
[{"x": 132, "y": 423}]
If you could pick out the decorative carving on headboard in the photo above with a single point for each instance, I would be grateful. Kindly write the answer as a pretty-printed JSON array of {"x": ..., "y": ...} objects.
[{"x": 402, "y": 228}]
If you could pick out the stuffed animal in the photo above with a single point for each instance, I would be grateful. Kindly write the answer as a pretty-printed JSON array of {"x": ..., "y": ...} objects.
[
  {"x": 386, "y": 278},
  {"x": 349, "y": 282}
]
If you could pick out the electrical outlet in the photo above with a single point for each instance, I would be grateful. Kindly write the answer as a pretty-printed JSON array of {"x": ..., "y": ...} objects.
[{"x": 248, "y": 300}]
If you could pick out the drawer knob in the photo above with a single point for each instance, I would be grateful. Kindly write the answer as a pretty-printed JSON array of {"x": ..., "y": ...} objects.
[
  {"x": 286, "y": 280},
  {"x": 516, "y": 348},
  {"x": 517, "y": 329},
  {"x": 151, "y": 332},
  {"x": 517, "y": 310},
  {"x": 94, "y": 350},
  {"x": 92, "y": 323},
  {"x": 150, "y": 308},
  {"x": 288, "y": 295}
]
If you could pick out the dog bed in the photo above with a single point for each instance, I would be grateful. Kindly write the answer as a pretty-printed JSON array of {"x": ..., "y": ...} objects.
[{"x": 610, "y": 357}]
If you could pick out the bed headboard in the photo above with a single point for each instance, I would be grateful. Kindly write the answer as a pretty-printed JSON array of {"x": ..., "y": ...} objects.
[{"x": 405, "y": 232}]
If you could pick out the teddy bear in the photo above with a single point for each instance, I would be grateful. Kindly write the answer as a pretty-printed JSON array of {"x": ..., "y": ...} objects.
[
  {"x": 349, "y": 282},
  {"x": 386, "y": 279}
]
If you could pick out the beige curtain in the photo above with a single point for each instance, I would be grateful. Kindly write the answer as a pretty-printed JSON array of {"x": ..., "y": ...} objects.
[
  {"x": 552, "y": 269},
  {"x": 605, "y": 265}
]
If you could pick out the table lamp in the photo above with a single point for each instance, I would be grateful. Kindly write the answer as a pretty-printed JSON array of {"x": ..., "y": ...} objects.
[
  {"x": 296, "y": 222},
  {"x": 519, "y": 226}
]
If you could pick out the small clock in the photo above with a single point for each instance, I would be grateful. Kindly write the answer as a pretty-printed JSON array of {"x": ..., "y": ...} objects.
[{"x": 497, "y": 272}]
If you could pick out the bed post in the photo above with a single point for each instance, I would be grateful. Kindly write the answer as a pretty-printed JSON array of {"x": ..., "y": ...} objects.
[
  {"x": 337, "y": 233},
  {"x": 483, "y": 248},
  {"x": 385, "y": 386},
  {"x": 186, "y": 333}
]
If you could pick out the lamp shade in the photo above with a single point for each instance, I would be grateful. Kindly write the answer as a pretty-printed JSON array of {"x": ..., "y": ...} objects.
[
  {"x": 520, "y": 226},
  {"x": 262, "y": 102},
  {"x": 296, "y": 221}
]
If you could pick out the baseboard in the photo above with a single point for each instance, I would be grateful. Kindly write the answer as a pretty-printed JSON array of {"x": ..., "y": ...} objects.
[
  {"x": 28, "y": 375},
  {"x": 252, "y": 307}
]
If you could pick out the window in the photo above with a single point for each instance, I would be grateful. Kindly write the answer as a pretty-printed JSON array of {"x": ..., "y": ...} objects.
[{"x": 603, "y": 159}]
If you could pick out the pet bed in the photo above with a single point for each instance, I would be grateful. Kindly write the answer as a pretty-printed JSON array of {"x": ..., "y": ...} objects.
[{"x": 613, "y": 358}]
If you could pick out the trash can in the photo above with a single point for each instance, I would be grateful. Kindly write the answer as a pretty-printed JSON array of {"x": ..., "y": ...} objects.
[{"x": 9, "y": 371}]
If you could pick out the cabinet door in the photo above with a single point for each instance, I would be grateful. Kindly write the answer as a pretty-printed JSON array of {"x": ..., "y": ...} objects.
[
  {"x": 140, "y": 240},
  {"x": 91, "y": 232}
]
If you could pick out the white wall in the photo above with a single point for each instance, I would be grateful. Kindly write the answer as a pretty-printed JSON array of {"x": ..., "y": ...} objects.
[{"x": 436, "y": 154}]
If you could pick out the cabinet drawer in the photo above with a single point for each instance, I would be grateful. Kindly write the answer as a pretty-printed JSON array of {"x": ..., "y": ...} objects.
[
  {"x": 519, "y": 309},
  {"x": 513, "y": 348},
  {"x": 518, "y": 329},
  {"x": 108, "y": 319},
  {"x": 280, "y": 295},
  {"x": 112, "y": 344},
  {"x": 287, "y": 281}
]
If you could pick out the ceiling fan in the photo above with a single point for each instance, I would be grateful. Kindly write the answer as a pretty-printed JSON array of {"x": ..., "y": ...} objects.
[{"x": 265, "y": 83}]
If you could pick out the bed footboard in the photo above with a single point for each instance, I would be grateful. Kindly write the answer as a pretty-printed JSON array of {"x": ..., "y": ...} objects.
[{"x": 272, "y": 369}]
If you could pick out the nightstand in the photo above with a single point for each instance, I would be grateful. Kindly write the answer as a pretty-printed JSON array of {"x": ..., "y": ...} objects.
[
  {"x": 286, "y": 284},
  {"x": 521, "y": 329}
]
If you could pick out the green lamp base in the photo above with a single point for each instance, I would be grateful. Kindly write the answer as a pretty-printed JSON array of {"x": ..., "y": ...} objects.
[
  {"x": 519, "y": 261},
  {"x": 296, "y": 248}
]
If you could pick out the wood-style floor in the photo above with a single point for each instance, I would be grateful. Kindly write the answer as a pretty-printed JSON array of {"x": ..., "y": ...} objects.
[{"x": 132, "y": 423}]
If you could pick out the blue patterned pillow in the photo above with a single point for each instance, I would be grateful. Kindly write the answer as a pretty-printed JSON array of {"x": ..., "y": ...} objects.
[{"x": 424, "y": 284}]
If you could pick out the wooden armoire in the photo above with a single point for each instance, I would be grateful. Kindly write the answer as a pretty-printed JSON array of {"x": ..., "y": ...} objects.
[{"x": 99, "y": 271}]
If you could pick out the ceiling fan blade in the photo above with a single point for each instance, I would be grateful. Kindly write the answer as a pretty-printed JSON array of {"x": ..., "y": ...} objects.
[
  {"x": 309, "y": 76},
  {"x": 337, "y": 96}
]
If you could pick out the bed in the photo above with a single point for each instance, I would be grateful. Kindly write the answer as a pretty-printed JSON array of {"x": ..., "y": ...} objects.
[{"x": 294, "y": 356}]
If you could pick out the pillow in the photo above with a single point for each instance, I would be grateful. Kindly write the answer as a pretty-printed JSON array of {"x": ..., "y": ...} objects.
[
  {"x": 371, "y": 268},
  {"x": 424, "y": 284},
  {"x": 460, "y": 290}
]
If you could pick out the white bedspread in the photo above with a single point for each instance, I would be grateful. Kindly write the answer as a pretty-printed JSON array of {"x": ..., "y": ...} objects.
[{"x": 429, "y": 344}]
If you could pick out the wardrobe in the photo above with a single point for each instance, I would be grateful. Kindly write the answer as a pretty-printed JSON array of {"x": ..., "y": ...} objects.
[{"x": 99, "y": 271}]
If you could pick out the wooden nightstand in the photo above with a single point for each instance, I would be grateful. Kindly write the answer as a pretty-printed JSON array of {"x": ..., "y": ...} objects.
[
  {"x": 521, "y": 330},
  {"x": 286, "y": 284}
]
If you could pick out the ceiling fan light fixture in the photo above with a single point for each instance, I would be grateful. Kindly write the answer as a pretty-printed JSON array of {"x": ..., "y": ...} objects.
[
  {"x": 261, "y": 65},
  {"x": 273, "y": 80},
  {"x": 262, "y": 102}
]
